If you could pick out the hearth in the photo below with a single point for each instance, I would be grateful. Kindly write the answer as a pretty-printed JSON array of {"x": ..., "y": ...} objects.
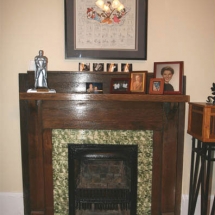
[{"x": 102, "y": 179}]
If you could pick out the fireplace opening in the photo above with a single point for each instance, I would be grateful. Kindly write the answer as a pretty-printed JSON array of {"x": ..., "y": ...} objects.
[{"x": 102, "y": 179}]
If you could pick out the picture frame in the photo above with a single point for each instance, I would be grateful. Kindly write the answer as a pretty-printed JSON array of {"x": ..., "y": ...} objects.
[
  {"x": 172, "y": 72},
  {"x": 84, "y": 67},
  {"x": 90, "y": 33},
  {"x": 94, "y": 87},
  {"x": 138, "y": 81},
  {"x": 120, "y": 85},
  {"x": 112, "y": 67},
  {"x": 98, "y": 67},
  {"x": 156, "y": 86},
  {"x": 126, "y": 67}
]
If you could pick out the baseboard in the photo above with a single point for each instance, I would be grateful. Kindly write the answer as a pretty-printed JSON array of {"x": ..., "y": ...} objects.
[
  {"x": 185, "y": 201},
  {"x": 12, "y": 204},
  {"x": 184, "y": 205}
]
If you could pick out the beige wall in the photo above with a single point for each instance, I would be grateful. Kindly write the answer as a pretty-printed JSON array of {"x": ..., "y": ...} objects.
[{"x": 177, "y": 30}]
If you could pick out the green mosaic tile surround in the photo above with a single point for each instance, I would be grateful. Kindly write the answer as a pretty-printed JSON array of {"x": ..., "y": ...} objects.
[{"x": 60, "y": 139}]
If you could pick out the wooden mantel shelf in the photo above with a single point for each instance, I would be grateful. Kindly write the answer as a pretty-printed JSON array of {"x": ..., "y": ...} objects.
[{"x": 103, "y": 97}]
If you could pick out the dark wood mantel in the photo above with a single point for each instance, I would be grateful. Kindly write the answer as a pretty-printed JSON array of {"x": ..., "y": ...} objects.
[
  {"x": 103, "y": 97},
  {"x": 68, "y": 108}
]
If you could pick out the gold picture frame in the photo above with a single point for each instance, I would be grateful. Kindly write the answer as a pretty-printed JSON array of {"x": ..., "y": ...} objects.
[{"x": 138, "y": 81}]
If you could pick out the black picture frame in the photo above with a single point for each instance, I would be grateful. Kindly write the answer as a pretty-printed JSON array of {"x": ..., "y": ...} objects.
[
  {"x": 175, "y": 82},
  {"x": 94, "y": 87},
  {"x": 84, "y": 67},
  {"x": 112, "y": 67},
  {"x": 126, "y": 67},
  {"x": 120, "y": 85},
  {"x": 139, "y": 52},
  {"x": 98, "y": 67}
]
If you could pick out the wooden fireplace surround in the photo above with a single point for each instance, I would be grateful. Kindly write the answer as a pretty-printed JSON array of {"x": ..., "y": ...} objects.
[{"x": 71, "y": 108}]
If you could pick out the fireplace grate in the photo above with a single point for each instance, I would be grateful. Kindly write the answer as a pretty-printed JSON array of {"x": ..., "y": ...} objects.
[
  {"x": 102, "y": 199},
  {"x": 107, "y": 183}
]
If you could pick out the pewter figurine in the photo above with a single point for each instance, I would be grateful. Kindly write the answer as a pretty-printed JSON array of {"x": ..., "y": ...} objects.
[
  {"x": 40, "y": 75},
  {"x": 41, "y": 71}
]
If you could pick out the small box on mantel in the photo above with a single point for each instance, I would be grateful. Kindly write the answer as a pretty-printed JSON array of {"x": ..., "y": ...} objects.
[{"x": 201, "y": 121}]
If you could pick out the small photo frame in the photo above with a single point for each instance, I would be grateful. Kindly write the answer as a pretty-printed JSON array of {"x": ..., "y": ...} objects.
[
  {"x": 98, "y": 67},
  {"x": 112, "y": 67},
  {"x": 126, "y": 67},
  {"x": 172, "y": 73},
  {"x": 120, "y": 85},
  {"x": 84, "y": 66},
  {"x": 138, "y": 82},
  {"x": 156, "y": 86},
  {"x": 94, "y": 87}
]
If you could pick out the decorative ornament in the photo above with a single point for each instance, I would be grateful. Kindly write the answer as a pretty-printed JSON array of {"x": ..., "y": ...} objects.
[
  {"x": 211, "y": 99},
  {"x": 40, "y": 83}
]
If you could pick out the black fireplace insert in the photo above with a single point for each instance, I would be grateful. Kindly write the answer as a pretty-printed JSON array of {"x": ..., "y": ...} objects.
[{"x": 102, "y": 179}]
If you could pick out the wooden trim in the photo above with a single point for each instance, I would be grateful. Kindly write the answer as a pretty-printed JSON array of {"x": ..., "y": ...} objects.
[
  {"x": 48, "y": 172},
  {"x": 36, "y": 167}
]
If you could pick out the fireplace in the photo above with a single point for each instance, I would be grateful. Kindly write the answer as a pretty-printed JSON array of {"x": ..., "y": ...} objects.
[
  {"x": 102, "y": 179},
  {"x": 70, "y": 108},
  {"x": 62, "y": 137}
]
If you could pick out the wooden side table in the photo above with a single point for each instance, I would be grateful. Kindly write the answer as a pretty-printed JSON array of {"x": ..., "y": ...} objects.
[{"x": 201, "y": 125}]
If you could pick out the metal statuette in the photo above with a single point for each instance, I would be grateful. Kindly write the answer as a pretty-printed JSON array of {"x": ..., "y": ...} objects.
[{"x": 40, "y": 84}]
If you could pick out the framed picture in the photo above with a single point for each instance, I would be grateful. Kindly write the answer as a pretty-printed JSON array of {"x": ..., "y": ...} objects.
[
  {"x": 172, "y": 73},
  {"x": 98, "y": 67},
  {"x": 138, "y": 82},
  {"x": 84, "y": 66},
  {"x": 103, "y": 29},
  {"x": 126, "y": 67},
  {"x": 112, "y": 67},
  {"x": 156, "y": 86},
  {"x": 92, "y": 87},
  {"x": 120, "y": 85}
]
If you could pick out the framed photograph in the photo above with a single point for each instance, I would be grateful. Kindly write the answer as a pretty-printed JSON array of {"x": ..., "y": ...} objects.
[
  {"x": 138, "y": 82},
  {"x": 94, "y": 87},
  {"x": 156, "y": 86},
  {"x": 112, "y": 67},
  {"x": 120, "y": 85},
  {"x": 84, "y": 66},
  {"x": 172, "y": 73},
  {"x": 98, "y": 67},
  {"x": 103, "y": 29},
  {"x": 126, "y": 67}
]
